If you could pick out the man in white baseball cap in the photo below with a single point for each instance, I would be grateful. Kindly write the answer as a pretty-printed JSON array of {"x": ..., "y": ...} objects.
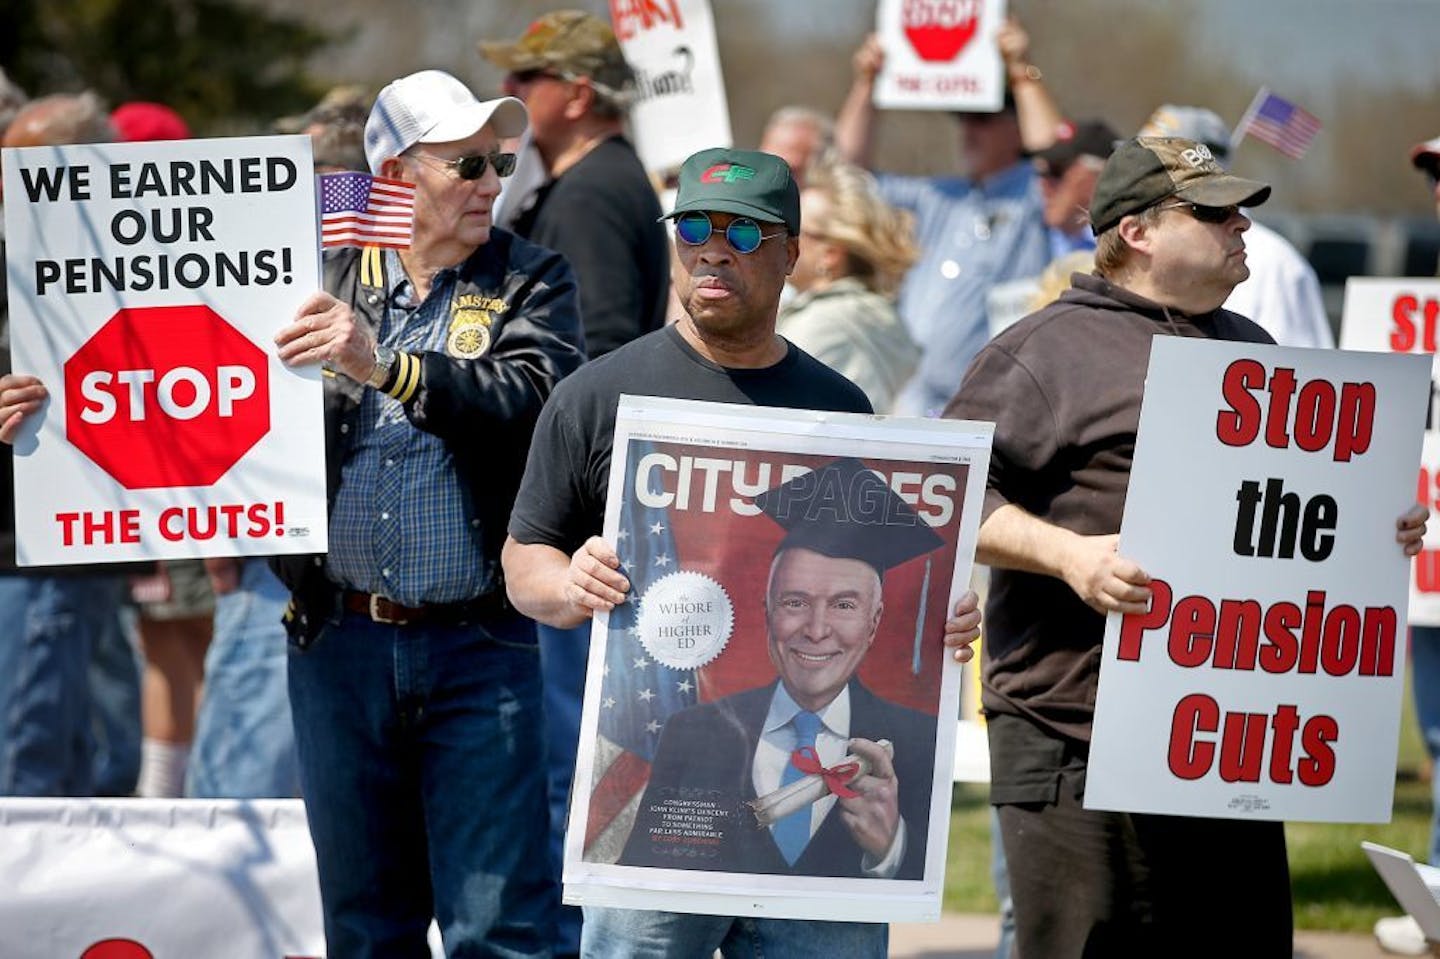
[{"x": 415, "y": 685}]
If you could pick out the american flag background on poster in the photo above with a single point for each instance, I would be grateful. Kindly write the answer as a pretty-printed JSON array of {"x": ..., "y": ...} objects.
[{"x": 784, "y": 576}]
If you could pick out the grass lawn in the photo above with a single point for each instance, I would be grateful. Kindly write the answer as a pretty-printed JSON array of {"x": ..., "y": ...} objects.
[{"x": 1334, "y": 885}]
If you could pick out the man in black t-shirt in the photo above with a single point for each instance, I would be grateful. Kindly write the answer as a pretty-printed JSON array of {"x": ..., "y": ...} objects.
[{"x": 738, "y": 227}]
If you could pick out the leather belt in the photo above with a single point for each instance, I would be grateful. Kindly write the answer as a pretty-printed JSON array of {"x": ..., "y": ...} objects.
[{"x": 381, "y": 610}]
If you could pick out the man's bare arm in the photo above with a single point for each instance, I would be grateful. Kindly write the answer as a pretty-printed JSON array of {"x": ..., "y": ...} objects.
[
  {"x": 1011, "y": 538},
  {"x": 559, "y": 590},
  {"x": 855, "y": 124}
]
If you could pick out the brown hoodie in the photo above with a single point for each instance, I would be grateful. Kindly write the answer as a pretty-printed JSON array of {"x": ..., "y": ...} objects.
[{"x": 1063, "y": 387}]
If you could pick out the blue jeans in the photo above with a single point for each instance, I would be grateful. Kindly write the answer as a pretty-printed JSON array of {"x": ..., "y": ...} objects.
[
  {"x": 244, "y": 738},
  {"x": 563, "y": 656},
  {"x": 1425, "y": 685},
  {"x": 422, "y": 763},
  {"x": 51, "y": 625},
  {"x": 115, "y": 708},
  {"x": 640, "y": 934}
]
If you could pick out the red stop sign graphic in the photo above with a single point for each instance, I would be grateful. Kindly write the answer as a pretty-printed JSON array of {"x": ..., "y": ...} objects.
[
  {"x": 940, "y": 29},
  {"x": 167, "y": 396}
]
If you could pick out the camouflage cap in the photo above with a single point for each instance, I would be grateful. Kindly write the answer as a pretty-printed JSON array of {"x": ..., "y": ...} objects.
[
  {"x": 570, "y": 42},
  {"x": 1145, "y": 170},
  {"x": 743, "y": 182}
]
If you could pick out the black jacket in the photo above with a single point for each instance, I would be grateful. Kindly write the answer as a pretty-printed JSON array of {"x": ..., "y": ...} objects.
[{"x": 483, "y": 408}]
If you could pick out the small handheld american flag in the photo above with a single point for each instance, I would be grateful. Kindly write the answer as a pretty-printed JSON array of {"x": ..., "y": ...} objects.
[
  {"x": 1278, "y": 122},
  {"x": 357, "y": 209}
]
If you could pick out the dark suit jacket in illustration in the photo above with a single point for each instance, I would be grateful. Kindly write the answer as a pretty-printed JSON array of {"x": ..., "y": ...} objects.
[{"x": 703, "y": 768}]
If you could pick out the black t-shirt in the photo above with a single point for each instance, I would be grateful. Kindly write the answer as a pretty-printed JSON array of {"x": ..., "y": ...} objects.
[
  {"x": 603, "y": 216},
  {"x": 562, "y": 497}
]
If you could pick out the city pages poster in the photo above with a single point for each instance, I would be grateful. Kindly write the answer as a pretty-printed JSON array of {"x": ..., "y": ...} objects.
[{"x": 769, "y": 720}]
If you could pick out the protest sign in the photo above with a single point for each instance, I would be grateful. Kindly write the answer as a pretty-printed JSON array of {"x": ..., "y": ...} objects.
[
  {"x": 940, "y": 55},
  {"x": 680, "y": 105},
  {"x": 1403, "y": 316},
  {"x": 146, "y": 284},
  {"x": 782, "y": 563},
  {"x": 1265, "y": 680},
  {"x": 136, "y": 879}
]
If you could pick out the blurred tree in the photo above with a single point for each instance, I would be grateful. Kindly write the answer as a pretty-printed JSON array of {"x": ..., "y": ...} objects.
[{"x": 222, "y": 64}]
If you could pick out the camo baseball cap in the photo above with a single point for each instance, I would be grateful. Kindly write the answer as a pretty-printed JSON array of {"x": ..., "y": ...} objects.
[
  {"x": 572, "y": 43},
  {"x": 1145, "y": 170},
  {"x": 743, "y": 182}
]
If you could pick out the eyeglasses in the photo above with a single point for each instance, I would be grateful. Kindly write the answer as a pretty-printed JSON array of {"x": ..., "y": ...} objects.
[
  {"x": 473, "y": 167},
  {"x": 743, "y": 234},
  {"x": 1205, "y": 214}
]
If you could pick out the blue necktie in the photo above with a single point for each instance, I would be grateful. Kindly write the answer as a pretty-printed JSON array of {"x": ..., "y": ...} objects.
[{"x": 793, "y": 832}]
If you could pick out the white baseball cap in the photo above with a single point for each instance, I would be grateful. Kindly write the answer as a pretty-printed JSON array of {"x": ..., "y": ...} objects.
[
  {"x": 1192, "y": 123},
  {"x": 433, "y": 107}
]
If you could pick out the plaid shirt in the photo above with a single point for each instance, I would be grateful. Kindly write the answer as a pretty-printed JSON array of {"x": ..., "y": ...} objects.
[{"x": 401, "y": 524}]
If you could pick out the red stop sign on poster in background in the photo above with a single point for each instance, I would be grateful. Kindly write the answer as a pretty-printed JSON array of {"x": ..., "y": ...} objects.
[
  {"x": 939, "y": 29},
  {"x": 167, "y": 396},
  {"x": 117, "y": 949}
]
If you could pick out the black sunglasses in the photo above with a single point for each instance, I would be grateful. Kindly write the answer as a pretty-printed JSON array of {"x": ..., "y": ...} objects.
[
  {"x": 473, "y": 167},
  {"x": 743, "y": 234},
  {"x": 1205, "y": 214},
  {"x": 539, "y": 73}
]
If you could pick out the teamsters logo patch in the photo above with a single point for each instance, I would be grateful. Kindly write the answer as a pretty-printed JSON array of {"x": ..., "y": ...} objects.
[{"x": 471, "y": 318}]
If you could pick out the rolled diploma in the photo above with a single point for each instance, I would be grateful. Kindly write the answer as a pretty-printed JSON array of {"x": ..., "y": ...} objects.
[{"x": 775, "y": 806}]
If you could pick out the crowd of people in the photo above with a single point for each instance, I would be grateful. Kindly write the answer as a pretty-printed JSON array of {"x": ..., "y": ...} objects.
[{"x": 407, "y": 683}]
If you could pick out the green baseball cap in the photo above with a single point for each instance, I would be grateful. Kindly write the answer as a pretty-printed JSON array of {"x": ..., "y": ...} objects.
[
  {"x": 743, "y": 182},
  {"x": 1145, "y": 170},
  {"x": 572, "y": 43}
]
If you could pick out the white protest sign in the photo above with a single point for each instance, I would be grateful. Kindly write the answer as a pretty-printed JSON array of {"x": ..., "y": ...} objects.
[
  {"x": 154, "y": 879},
  {"x": 146, "y": 282},
  {"x": 940, "y": 55},
  {"x": 1265, "y": 681},
  {"x": 1403, "y": 316},
  {"x": 680, "y": 105}
]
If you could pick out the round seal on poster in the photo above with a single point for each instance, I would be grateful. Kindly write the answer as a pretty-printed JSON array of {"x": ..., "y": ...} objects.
[{"x": 685, "y": 620}]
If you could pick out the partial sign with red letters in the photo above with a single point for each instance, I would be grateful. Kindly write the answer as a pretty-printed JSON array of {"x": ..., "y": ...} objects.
[
  {"x": 1266, "y": 678},
  {"x": 940, "y": 55},
  {"x": 1394, "y": 315},
  {"x": 146, "y": 283},
  {"x": 680, "y": 104}
]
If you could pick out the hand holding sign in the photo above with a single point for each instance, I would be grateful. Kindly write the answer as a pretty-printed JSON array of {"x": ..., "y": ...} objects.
[
  {"x": 20, "y": 396},
  {"x": 325, "y": 331}
]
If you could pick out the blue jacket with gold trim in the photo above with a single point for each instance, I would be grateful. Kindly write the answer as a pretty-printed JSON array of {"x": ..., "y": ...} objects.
[{"x": 482, "y": 396}]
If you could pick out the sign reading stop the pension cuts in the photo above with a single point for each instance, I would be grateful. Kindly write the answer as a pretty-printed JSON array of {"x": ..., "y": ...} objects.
[
  {"x": 1266, "y": 678},
  {"x": 940, "y": 55},
  {"x": 146, "y": 284},
  {"x": 1403, "y": 316},
  {"x": 680, "y": 105}
]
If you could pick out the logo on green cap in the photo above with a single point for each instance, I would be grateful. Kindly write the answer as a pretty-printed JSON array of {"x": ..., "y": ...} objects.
[{"x": 727, "y": 173}]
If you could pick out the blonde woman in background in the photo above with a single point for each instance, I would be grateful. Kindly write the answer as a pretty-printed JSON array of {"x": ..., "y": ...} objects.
[{"x": 854, "y": 250}]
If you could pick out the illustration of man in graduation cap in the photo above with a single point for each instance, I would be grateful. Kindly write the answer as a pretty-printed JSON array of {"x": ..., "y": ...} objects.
[{"x": 844, "y": 527}]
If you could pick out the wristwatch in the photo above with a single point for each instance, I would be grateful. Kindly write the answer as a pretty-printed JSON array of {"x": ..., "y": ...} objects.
[{"x": 384, "y": 366}]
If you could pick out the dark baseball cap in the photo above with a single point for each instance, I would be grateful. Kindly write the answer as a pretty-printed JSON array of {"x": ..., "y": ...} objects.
[
  {"x": 1145, "y": 170},
  {"x": 570, "y": 42},
  {"x": 743, "y": 182},
  {"x": 1094, "y": 138}
]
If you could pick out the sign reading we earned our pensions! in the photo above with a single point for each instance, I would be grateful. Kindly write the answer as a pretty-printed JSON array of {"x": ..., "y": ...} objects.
[
  {"x": 146, "y": 283},
  {"x": 1266, "y": 679}
]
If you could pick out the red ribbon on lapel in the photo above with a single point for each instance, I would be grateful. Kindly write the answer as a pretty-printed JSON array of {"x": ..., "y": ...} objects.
[{"x": 807, "y": 761}]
